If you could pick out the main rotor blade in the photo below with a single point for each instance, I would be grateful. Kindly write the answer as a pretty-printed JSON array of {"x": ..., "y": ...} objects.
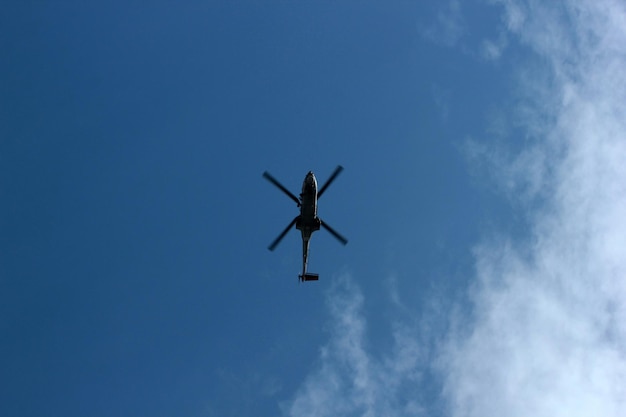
[
  {"x": 330, "y": 180},
  {"x": 282, "y": 235},
  {"x": 332, "y": 231},
  {"x": 274, "y": 181}
]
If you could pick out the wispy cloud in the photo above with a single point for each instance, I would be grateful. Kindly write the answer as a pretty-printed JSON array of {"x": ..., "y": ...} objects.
[
  {"x": 492, "y": 49},
  {"x": 448, "y": 26},
  {"x": 349, "y": 378},
  {"x": 547, "y": 336}
]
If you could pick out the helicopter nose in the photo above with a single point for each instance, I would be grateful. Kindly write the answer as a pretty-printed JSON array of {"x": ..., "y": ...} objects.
[{"x": 309, "y": 181}]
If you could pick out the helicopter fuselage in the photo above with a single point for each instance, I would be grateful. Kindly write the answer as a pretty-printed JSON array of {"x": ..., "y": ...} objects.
[{"x": 308, "y": 222}]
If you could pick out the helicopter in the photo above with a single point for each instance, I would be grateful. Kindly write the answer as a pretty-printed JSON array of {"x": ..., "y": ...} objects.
[{"x": 307, "y": 222}]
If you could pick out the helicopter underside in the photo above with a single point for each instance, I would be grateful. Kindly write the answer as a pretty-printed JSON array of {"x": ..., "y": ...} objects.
[
  {"x": 308, "y": 226},
  {"x": 307, "y": 222}
]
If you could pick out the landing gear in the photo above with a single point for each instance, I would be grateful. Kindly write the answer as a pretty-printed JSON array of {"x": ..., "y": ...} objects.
[{"x": 309, "y": 277}]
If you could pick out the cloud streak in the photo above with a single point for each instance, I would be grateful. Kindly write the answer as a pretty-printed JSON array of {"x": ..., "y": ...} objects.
[
  {"x": 448, "y": 26},
  {"x": 349, "y": 380}
]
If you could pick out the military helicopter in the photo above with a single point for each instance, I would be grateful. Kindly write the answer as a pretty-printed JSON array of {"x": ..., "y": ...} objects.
[{"x": 307, "y": 222}]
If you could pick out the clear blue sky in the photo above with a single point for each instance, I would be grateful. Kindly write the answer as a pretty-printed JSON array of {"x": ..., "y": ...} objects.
[{"x": 482, "y": 147}]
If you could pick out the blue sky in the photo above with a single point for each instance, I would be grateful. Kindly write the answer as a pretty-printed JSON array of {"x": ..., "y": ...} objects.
[{"x": 483, "y": 199}]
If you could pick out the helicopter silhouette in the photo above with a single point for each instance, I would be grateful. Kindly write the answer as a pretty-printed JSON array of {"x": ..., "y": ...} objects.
[{"x": 307, "y": 222}]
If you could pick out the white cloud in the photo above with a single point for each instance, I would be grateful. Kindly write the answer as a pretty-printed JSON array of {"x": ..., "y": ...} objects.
[
  {"x": 349, "y": 379},
  {"x": 547, "y": 336}
]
